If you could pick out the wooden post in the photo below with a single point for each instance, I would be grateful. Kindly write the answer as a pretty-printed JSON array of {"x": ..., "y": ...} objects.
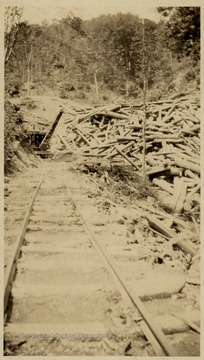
[{"x": 144, "y": 102}]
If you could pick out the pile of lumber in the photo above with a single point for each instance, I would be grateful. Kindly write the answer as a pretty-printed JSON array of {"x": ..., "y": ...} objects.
[{"x": 115, "y": 133}]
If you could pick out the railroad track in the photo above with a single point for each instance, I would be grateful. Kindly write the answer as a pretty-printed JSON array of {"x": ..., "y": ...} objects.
[{"x": 65, "y": 294}]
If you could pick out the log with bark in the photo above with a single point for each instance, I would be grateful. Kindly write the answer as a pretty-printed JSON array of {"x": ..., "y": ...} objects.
[{"x": 172, "y": 141}]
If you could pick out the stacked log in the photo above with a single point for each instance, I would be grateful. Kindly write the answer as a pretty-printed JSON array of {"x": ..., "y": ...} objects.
[{"x": 172, "y": 142}]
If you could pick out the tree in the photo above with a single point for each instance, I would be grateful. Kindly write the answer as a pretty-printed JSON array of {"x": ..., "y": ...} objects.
[
  {"x": 11, "y": 28},
  {"x": 183, "y": 30},
  {"x": 116, "y": 42}
]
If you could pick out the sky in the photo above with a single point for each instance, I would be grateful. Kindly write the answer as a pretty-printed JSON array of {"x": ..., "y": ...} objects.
[
  {"x": 35, "y": 11},
  {"x": 87, "y": 9}
]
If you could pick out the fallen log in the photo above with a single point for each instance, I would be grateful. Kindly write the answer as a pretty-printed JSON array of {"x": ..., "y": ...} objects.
[
  {"x": 158, "y": 170},
  {"x": 176, "y": 323},
  {"x": 181, "y": 198},
  {"x": 163, "y": 185},
  {"x": 189, "y": 158},
  {"x": 189, "y": 323},
  {"x": 195, "y": 189},
  {"x": 125, "y": 157},
  {"x": 190, "y": 174},
  {"x": 62, "y": 139},
  {"x": 170, "y": 139},
  {"x": 163, "y": 229},
  {"x": 169, "y": 115},
  {"x": 82, "y": 136},
  {"x": 113, "y": 115},
  {"x": 186, "y": 164}
]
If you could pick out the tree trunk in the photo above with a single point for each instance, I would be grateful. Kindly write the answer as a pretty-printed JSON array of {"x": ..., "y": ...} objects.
[
  {"x": 23, "y": 66},
  {"x": 96, "y": 83},
  {"x": 28, "y": 90},
  {"x": 126, "y": 87}
]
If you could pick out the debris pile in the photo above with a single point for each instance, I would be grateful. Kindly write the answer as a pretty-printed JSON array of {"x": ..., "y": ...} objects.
[{"x": 115, "y": 133}]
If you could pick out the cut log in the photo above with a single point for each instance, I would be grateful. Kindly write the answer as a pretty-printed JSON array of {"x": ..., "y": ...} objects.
[
  {"x": 194, "y": 191},
  {"x": 176, "y": 323},
  {"x": 164, "y": 185},
  {"x": 169, "y": 115},
  {"x": 186, "y": 165},
  {"x": 170, "y": 139},
  {"x": 191, "y": 174},
  {"x": 128, "y": 138},
  {"x": 188, "y": 204},
  {"x": 113, "y": 115},
  {"x": 189, "y": 158},
  {"x": 161, "y": 228},
  {"x": 82, "y": 136},
  {"x": 158, "y": 170},
  {"x": 62, "y": 139},
  {"x": 181, "y": 199},
  {"x": 125, "y": 157},
  {"x": 175, "y": 171},
  {"x": 189, "y": 323},
  {"x": 178, "y": 183}
]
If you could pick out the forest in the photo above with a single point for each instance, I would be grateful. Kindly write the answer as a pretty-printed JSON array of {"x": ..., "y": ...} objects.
[{"x": 104, "y": 58}]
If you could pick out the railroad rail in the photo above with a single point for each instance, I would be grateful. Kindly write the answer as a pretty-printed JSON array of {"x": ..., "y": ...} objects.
[{"x": 55, "y": 254}]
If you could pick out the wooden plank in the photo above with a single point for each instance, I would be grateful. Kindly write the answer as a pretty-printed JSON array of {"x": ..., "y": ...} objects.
[
  {"x": 22, "y": 290},
  {"x": 126, "y": 288},
  {"x": 69, "y": 330}
]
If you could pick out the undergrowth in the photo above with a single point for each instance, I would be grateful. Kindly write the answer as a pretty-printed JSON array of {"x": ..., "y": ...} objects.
[
  {"x": 121, "y": 181},
  {"x": 14, "y": 134}
]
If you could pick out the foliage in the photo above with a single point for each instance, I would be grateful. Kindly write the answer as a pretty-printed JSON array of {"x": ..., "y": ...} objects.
[
  {"x": 11, "y": 28},
  {"x": 76, "y": 58},
  {"x": 14, "y": 133},
  {"x": 183, "y": 30}
]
